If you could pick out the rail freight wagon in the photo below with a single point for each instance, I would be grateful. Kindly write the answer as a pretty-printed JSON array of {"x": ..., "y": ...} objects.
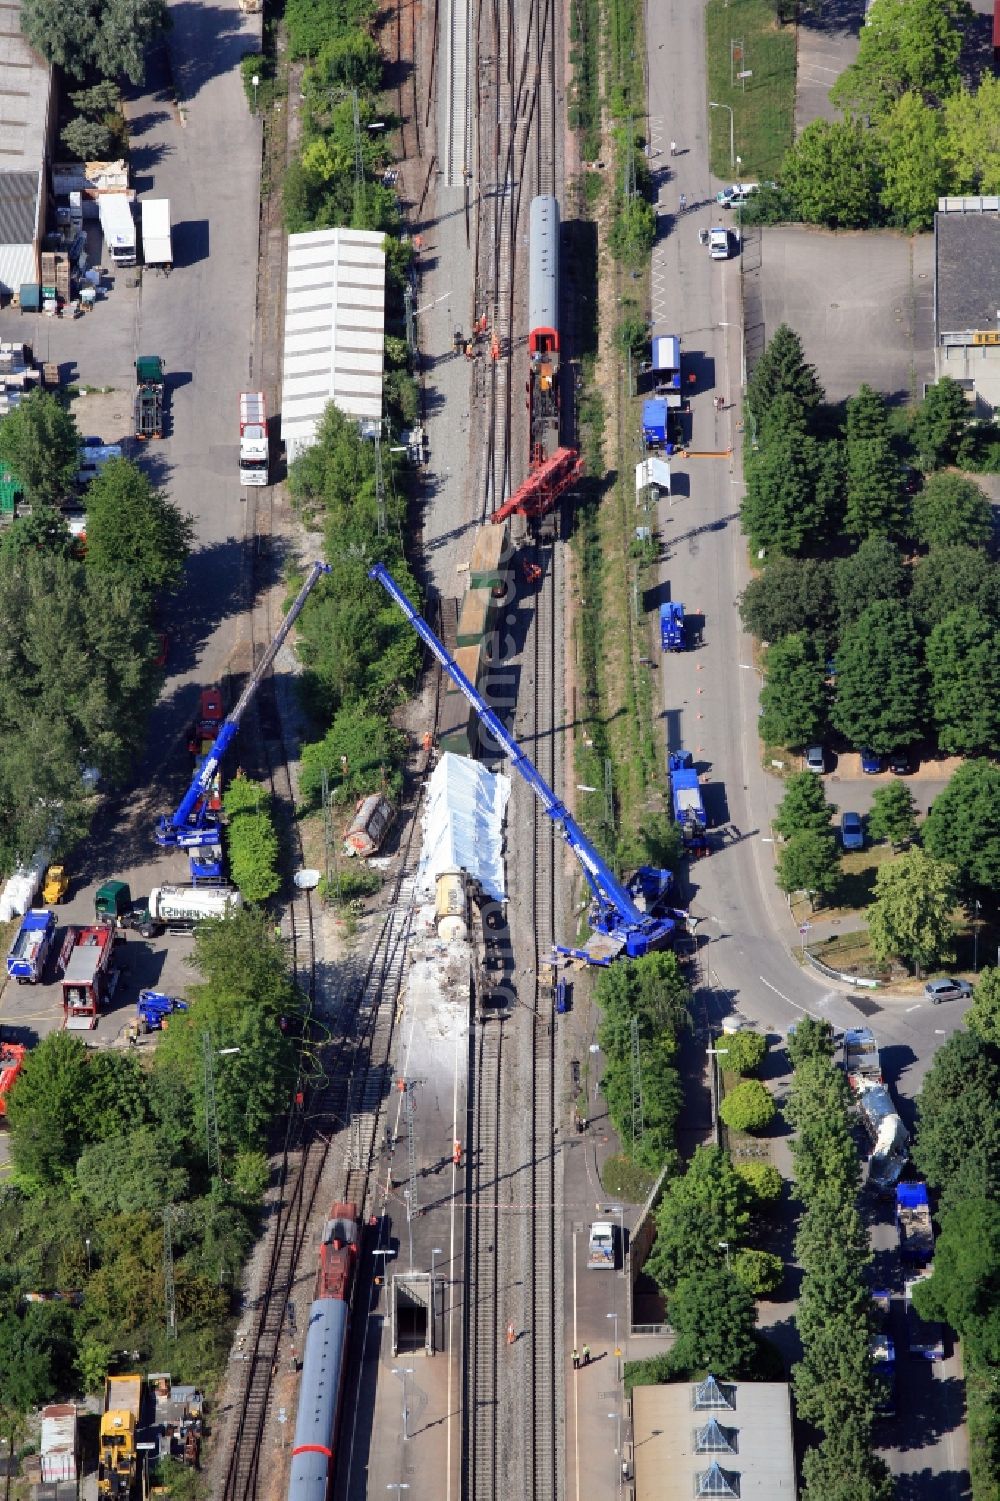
[
  {"x": 325, "y": 1356},
  {"x": 543, "y": 328}
]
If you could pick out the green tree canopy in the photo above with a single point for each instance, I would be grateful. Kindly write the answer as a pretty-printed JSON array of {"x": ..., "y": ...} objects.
[
  {"x": 47, "y": 1110},
  {"x": 370, "y": 745},
  {"x": 704, "y": 1206},
  {"x": 964, "y": 1289},
  {"x": 312, "y": 22},
  {"x": 110, "y": 38},
  {"x": 123, "y": 1174},
  {"x": 983, "y": 1016},
  {"x": 950, "y": 578},
  {"x": 654, "y": 992},
  {"x": 787, "y": 504},
  {"x": 748, "y": 1107},
  {"x": 253, "y": 845},
  {"x": 972, "y": 138},
  {"x": 876, "y": 504},
  {"x": 793, "y": 699},
  {"x": 831, "y": 173},
  {"x": 36, "y": 1356},
  {"x": 843, "y": 1466},
  {"x": 791, "y": 594},
  {"x": 134, "y": 533},
  {"x": 963, "y": 665},
  {"x": 809, "y": 862},
  {"x": 804, "y": 806},
  {"x": 957, "y": 1142},
  {"x": 905, "y": 46},
  {"x": 879, "y": 695},
  {"x": 893, "y": 815},
  {"x": 745, "y": 1051},
  {"x": 910, "y": 917},
  {"x": 963, "y": 826},
  {"x": 39, "y": 441},
  {"x": 872, "y": 573},
  {"x": 811, "y": 1039},
  {"x": 763, "y": 1180},
  {"x": 713, "y": 1318},
  {"x": 911, "y": 147},
  {"x": 940, "y": 422},
  {"x": 951, "y": 510},
  {"x": 782, "y": 370},
  {"x": 89, "y": 140}
]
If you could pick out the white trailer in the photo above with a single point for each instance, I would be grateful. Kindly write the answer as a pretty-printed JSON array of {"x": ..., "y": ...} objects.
[
  {"x": 254, "y": 445},
  {"x": 156, "y": 246},
  {"x": 180, "y": 908},
  {"x": 118, "y": 227}
]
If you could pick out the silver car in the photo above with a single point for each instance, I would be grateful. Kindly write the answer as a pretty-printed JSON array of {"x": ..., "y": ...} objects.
[
  {"x": 947, "y": 990},
  {"x": 814, "y": 758}
]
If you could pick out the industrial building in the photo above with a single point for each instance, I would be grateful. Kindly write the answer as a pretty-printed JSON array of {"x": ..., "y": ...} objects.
[
  {"x": 713, "y": 1438},
  {"x": 967, "y": 297},
  {"x": 334, "y": 331},
  {"x": 27, "y": 119}
]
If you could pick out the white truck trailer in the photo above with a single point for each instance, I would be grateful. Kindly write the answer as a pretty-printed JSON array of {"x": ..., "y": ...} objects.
[
  {"x": 156, "y": 247},
  {"x": 118, "y": 227}
]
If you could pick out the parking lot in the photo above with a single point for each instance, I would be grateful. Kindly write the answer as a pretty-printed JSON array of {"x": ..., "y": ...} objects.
[{"x": 862, "y": 304}]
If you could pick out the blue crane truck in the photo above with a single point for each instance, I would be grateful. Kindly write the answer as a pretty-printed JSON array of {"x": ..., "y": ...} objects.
[
  {"x": 30, "y": 949},
  {"x": 672, "y": 626},
  {"x": 687, "y": 802}
]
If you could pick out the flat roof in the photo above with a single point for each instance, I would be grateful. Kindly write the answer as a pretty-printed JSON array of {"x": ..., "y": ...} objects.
[
  {"x": 679, "y": 1435},
  {"x": 967, "y": 266},
  {"x": 25, "y": 92},
  {"x": 334, "y": 330}
]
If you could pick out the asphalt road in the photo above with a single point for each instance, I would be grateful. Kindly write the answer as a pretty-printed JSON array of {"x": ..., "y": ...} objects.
[
  {"x": 747, "y": 938},
  {"x": 205, "y": 159}
]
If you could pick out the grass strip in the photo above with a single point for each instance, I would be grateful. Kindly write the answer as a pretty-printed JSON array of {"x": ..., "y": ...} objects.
[{"x": 746, "y": 36}]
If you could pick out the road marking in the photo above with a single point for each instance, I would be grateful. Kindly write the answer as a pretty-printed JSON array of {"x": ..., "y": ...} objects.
[
  {"x": 914, "y": 1008},
  {"x": 789, "y": 1000}
]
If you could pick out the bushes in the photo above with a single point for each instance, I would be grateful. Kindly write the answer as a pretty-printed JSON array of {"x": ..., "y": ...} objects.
[
  {"x": 748, "y": 1107},
  {"x": 745, "y": 1052},
  {"x": 761, "y": 1272},
  {"x": 252, "y": 840}
]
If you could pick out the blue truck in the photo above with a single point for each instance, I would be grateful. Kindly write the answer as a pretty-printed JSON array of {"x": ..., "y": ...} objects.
[
  {"x": 913, "y": 1223},
  {"x": 687, "y": 803},
  {"x": 655, "y": 423},
  {"x": 672, "y": 626},
  {"x": 30, "y": 949}
]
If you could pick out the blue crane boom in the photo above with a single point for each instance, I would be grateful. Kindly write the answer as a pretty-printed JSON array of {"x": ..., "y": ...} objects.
[
  {"x": 187, "y": 827},
  {"x": 619, "y": 915}
]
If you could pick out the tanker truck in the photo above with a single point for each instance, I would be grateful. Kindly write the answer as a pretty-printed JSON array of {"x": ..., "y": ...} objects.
[{"x": 175, "y": 909}]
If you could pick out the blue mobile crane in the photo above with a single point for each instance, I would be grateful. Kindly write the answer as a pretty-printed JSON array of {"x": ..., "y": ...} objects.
[
  {"x": 629, "y": 919},
  {"x": 189, "y": 826}
]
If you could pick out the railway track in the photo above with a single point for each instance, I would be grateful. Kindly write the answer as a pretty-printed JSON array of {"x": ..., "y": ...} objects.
[{"x": 482, "y": 1395}]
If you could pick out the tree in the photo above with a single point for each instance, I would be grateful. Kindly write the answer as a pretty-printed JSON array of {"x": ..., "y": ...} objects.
[
  {"x": 939, "y": 423},
  {"x": 134, "y": 532},
  {"x": 911, "y": 913},
  {"x": 972, "y": 129},
  {"x": 911, "y": 151},
  {"x": 111, "y": 38},
  {"x": 809, "y": 862},
  {"x": 893, "y": 816},
  {"x": 793, "y": 699},
  {"x": 100, "y": 99},
  {"x": 905, "y": 46},
  {"x": 40, "y": 442},
  {"x": 703, "y": 1206},
  {"x": 783, "y": 370},
  {"x": 349, "y": 59},
  {"x": 360, "y": 753},
  {"x": 950, "y": 578},
  {"x": 786, "y": 507},
  {"x": 748, "y": 1107},
  {"x": 633, "y": 230},
  {"x": 746, "y": 1052},
  {"x": 714, "y": 1320},
  {"x": 253, "y": 839},
  {"x": 35, "y": 1355},
  {"x": 957, "y": 1142},
  {"x": 792, "y": 594},
  {"x": 761, "y": 1272},
  {"x": 964, "y": 1288},
  {"x": 983, "y": 1016},
  {"x": 89, "y": 140},
  {"x": 831, "y": 173},
  {"x": 963, "y": 665},
  {"x": 866, "y": 415},
  {"x": 880, "y": 689},
  {"x": 123, "y": 1174},
  {"x": 812, "y": 1039},
  {"x": 872, "y": 573},
  {"x": 842, "y": 1467},
  {"x": 876, "y": 504},
  {"x": 804, "y": 806},
  {"x": 47, "y": 1110},
  {"x": 763, "y": 1180},
  {"x": 951, "y": 510},
  {"x": 311, "y": 22},
  {"x": 963, "y": 826}
]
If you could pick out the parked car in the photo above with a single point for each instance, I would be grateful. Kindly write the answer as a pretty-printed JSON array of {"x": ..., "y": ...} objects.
[
  {"x": 852, "y": 831},
  {"x": 901, "y": 763},
  {"x": 736, "y": 193},
  {"x": 871, "y": 764},
  {"x": 947, "y": 990},
  {"x": 814, "y": 758}
]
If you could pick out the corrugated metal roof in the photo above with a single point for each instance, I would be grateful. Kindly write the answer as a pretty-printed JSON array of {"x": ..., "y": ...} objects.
[
  {"x": 25, "y": 95},
  {"x": 18, "y": 264},
  {"x": 334, "y": 330},
  {"x": 19, "y": 194}
]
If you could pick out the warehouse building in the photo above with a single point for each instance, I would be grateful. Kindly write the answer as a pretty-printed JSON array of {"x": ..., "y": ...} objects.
[
  {"x": 334, "y": 331},
  {"x": 27, "y": 120},
  {"x": 713, "y": 1438},
  {"x": 967, "y": 298}
]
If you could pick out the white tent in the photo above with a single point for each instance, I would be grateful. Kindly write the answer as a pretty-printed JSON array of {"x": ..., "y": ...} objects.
[
  {"x": 652, "y": 472},
  {"x": 463, "y": 825}
]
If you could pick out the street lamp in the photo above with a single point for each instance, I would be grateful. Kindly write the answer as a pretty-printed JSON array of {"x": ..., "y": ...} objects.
[
  {"x": 724, "y": 1246},
  {"x": 87, "y": 1244},
  {"x": 255, "y": 80},
  {"x": 403, "y": 1371},
  {"x": 732, "y": 136},
  {"x": 975, "y": 940},
  {"x": 436, "y": 1251}
]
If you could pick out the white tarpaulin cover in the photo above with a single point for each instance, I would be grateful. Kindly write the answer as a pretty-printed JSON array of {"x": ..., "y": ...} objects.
[
  {"x": 463, "y": 825},
  {"x": 19, "y": 892},
  {"x": 652, "y": 472}
]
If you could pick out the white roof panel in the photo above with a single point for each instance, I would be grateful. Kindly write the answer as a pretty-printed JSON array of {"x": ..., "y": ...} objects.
[{"x": 334, "y": 329}]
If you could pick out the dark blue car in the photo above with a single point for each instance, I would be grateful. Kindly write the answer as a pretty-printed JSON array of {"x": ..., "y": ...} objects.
[{"x": 871, "y": 764}]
